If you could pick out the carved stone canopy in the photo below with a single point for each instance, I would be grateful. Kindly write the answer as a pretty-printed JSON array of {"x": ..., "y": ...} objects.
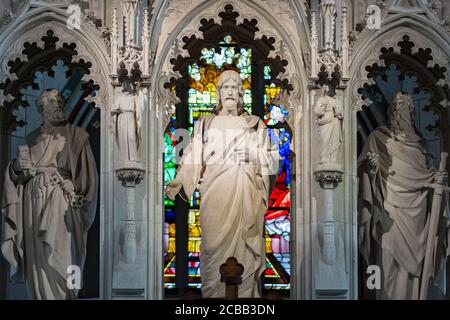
[
  {"x": 35, "y": 55},
  {"x": 409, "y": 59},
  {"x": 245, "y": 37},
  {"x": 130, "y": 59}
]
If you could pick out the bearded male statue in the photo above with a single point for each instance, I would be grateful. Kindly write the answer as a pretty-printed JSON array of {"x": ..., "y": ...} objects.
[
  {"x": 233, "y": 156},
  {"x": 49, "y": 203},
  {"x": 394, "y": 201}
]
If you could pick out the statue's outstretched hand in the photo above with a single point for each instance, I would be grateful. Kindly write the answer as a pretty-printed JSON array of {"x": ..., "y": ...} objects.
[
  {"x": 173, "y": 188},
  {"x": 372, "y": 162}
]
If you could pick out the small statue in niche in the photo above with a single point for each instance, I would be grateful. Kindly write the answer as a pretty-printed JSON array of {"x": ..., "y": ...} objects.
[
  {"x": 127, "y": 116},
  {"x": 329, "y": 116}
]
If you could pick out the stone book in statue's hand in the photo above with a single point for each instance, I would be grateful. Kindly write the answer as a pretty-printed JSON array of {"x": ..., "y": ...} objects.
[{"x": 23, "y": 163}]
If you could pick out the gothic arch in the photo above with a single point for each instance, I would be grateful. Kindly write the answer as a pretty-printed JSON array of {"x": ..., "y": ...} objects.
[
  {"x": 170, "y": 46},
  {"x": 367, "y": 51},
  {"x": 29, "y": 27},
  {"x": 427, "y": 56},
  {"x": 291, "y": 44}
]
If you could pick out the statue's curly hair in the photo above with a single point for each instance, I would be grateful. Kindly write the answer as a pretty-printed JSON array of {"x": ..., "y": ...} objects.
[
  {"x": 401, "y": 120},
  {"x": 47, "y": 94},
  {"x": 224, "y": 77}
]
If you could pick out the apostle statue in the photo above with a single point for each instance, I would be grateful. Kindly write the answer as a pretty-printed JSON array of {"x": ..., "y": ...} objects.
[
  {"x": 395, "y": 172},
  {"x": 233, "y": 156},
  {"x": 127, "y": 123},
  {"x": 329, "y": 115},
  {"x": 49, "y": 204}
]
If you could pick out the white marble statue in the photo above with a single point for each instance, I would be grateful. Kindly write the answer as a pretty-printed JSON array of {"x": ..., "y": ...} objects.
[
  {"x": 49, "y": 203},
  {"x": 394, "y": 202},
  {"x": 232, "y": 154},
  {"x": 127, "y": 122},
  {"x": 329, "y": 115}
]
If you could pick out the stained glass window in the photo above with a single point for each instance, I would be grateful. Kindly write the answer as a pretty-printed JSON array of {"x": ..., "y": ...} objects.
[
  {"x": 277, "y": 217},
  {"x": 169, "y": 205},
  {"x": 203, "y": 77},
  {"x": 194, "y": 238}
]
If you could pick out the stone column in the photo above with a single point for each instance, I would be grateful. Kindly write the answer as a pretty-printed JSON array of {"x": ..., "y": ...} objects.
[
  {"x": 133, "y": 254},
  {"x": 328, "y": 180},
  {"x": 331, "y": 268},
  {"x": 329, "y": 255},
  {"x": 130, "y": 177}
]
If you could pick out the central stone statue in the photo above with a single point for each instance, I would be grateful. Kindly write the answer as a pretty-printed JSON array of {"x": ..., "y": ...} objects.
[{"x": 233, "y": 157}]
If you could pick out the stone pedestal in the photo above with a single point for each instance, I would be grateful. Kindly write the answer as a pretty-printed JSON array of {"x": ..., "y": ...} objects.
[
  {"x": 129, "y": 177},
  {"x": 330, "y": 265}
]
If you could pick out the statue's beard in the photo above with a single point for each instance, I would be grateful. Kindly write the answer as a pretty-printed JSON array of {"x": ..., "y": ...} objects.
[
  {"x": 401, "y": 123},
  {"x": 230, "y": 103},
  {"x": 55, "y": 116}
]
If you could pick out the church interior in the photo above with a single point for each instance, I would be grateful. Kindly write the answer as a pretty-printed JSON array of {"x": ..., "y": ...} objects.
[{"x": 353, "y": 95}]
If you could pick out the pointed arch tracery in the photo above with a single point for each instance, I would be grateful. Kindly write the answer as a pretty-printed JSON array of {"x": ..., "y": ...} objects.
[{"x": 228, "y": 45}]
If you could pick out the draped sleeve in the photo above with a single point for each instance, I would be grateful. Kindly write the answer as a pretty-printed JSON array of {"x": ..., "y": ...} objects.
[
  {"x": 373, "y": 220},
  {"x": 268, "y": 160},
  {"x": 86, "y": 181},
  {"x": 83, "y": 170},
  {"x": 192, "y": 166},
  {"x": 12, "y": 246}
]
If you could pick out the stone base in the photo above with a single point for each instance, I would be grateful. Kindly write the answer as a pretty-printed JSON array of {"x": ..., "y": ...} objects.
[
  {"x": 120, "y": 165},
  {"x": 330, "y": 280}
]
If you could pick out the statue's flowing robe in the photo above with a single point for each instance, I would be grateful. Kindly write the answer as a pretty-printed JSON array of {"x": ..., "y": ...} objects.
[
  {"x": 329, "y": 130},
  {"x": 43, "y": 235},
  {"x": 128, "y": 131},
  {"x": 234, "y": 197},
  {"x": 393, "y": 211}
]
